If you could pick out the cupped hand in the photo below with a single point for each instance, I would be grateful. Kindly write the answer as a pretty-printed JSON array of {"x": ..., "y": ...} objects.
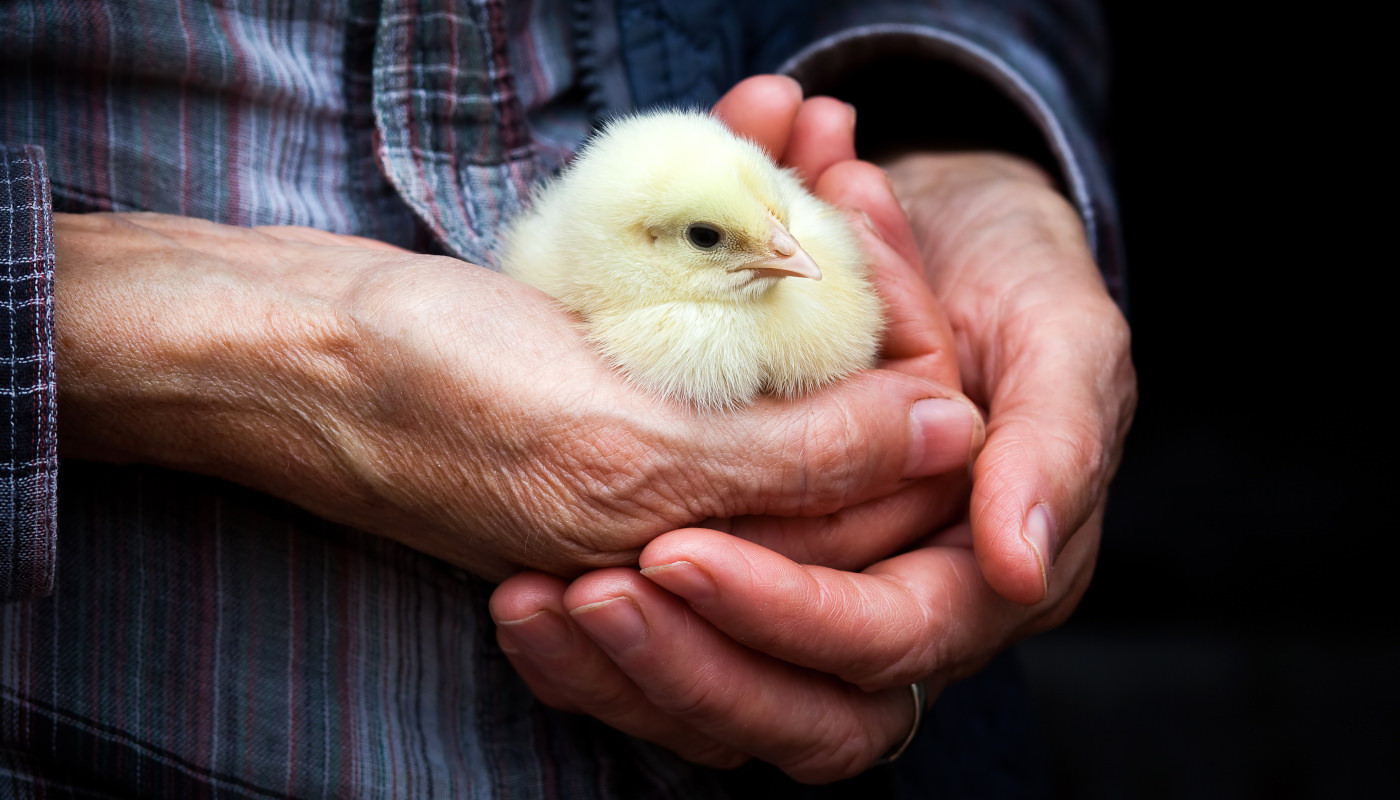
[
  {"x": 1041, "y": 346},
  {"x": 722, "y": 649},
  {"x": 1040, "y": 343},
  {"x": 453, "y": 409},
  {"x": 750, "y": 654}
]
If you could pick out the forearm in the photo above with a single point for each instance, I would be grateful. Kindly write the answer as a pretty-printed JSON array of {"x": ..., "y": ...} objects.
[
  {"x": 262, "y": 357},
  {"x": 186, "y": 355}
]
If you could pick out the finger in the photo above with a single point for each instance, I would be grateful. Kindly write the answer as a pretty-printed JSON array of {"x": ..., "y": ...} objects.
[
  {"x": 864, "y": 533},
  {"x": 1048, "y": 356},
  {"x": 1063, "y": 404},
  {"x": 858, "y": 440},
  {"x": 762, "y": 108},
  {"x": 532, "y": 630},
  {"x": 566, "y": 670},
  {"x": 862, "y": 185},
  {"x": 823, "y": 133},
  {"x": 919, "y": 339},
  {"x": 924, "y": 613},
  {"x": 810, "y": 725}
]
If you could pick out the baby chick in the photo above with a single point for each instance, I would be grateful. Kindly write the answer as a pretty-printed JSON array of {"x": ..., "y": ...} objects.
[{"x": 701, "y": 270}]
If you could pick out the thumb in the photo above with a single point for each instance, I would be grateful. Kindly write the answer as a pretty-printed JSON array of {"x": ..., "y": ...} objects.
[
  {"x": 858, "y": 440},
  {"x": 1059, "y": 415}
]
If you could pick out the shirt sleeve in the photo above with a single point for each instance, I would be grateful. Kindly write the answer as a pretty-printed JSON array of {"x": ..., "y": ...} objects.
[
  {"x": 29, "y": 415},
  {"x": 1025, "y": 76}
]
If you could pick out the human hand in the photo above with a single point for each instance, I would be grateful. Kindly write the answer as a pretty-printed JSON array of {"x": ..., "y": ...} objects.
[
  {"x": 556, "y": 651},
  {"x": 774, "y": 660},
  {"x": 1041, "y": 346},
  {"x": 443, "y": 405},
  {"x": 1040, "y": 343}
]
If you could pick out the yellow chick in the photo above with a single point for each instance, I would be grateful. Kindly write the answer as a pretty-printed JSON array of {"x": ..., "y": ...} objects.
[{"x": 701, "y": 270}]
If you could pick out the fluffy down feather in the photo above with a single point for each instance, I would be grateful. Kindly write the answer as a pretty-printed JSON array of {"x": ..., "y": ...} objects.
[{"x": 700, "y": 269}]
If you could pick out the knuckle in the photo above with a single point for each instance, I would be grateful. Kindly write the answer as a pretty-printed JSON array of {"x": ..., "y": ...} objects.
[
  {"x": 624, "y": 474},
  {"x": 836, "y": 456},
  {"x": 809, "y": 462},
  {"x": 938, "y": 641},
  {"x": 605, "y": 492},
  {"x": 803, "y": 465},
  {"x": 705, "y": 699},
  {"x": 612, "y": 475},
  {"x": 900, "y": 650}
]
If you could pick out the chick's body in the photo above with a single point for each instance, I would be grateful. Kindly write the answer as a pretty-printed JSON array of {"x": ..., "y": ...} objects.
[{"x": 701, "y": 270}]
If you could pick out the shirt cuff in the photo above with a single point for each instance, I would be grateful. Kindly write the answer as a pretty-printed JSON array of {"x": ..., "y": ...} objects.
[{"x": 28, "y": 412}]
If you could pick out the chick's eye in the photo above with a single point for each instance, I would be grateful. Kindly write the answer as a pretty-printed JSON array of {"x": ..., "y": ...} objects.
[{"x": 703, "y": 235}]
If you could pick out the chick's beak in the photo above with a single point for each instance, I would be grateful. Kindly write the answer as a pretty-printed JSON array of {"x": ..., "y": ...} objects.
[{"x": 788, "y": 259}]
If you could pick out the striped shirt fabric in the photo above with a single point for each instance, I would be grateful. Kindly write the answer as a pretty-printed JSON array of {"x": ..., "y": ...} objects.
[{"x": 171, "y": 635}]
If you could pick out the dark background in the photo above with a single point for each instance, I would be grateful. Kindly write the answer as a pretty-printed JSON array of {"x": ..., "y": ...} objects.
[{"x": 1239, "y": 639}]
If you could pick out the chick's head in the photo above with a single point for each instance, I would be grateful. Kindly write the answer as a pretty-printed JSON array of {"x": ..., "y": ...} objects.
[{"x": 705, "y": 213}]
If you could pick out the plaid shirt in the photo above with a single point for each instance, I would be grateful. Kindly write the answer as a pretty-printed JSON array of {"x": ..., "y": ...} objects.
[
  {"x": 30, "y": 462},
  {"x": 198, "y": 639}
]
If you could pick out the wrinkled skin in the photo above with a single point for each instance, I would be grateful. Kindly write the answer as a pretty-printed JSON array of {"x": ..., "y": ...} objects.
[
  {"x": 453, "y": 410},
  {"x": 460, "y": 412},
  {"x": 726, "y": 646}
]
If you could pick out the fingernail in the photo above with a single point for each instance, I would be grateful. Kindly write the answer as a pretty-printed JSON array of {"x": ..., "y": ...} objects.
[
  {"x": 1039, "y": 532},
  {"x": 542, "y": 633},
  {"x": 944, "y": 436},
  {"x": 853, "y": 115},
  {"x": 684, "y": 579},
  {"x": 615, "y": 624}
]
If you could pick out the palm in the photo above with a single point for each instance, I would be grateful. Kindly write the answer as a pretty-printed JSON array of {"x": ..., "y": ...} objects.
[
  {"x": 1038, "y": 344},
  {"x": 1048, "y": 359}
]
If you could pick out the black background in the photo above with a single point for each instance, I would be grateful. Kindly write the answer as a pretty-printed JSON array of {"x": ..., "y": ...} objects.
[{"x": 1239, "y": 639}]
